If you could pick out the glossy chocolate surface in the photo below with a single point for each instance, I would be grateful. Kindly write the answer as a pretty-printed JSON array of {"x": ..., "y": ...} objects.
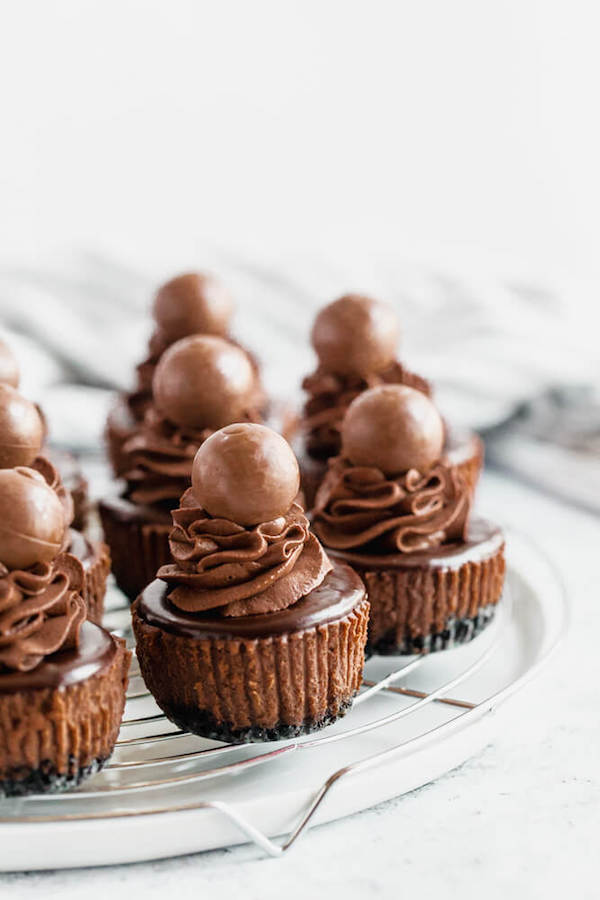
[
  {"x": 394, "y": 428},
  {"x": 95, "y": 652},
  {"x": 193, "y": 303},
  {"x": 355, "y": 334},
  {"x": 484, "y": 541},
  {"x": 203, "y": 381},
  {"x": 460, "y": 447},
  {"x": 32, "y": 519},
  {"x": 21, "y": 429},
  {"x": 247, "y": 473},
  {"x": 336, "y": 597}
]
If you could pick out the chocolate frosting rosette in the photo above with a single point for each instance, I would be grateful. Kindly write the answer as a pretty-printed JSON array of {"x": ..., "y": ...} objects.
[
  {"x": 62, "y": 678},
  {"x": 355, "y": 339},
  {"x": 189, "y": 304},
  {"x": 21, "y": 438},
  {"x": 221, "y": 565},
  {"x": 41, "y": 611},
  {"x": 201, "y": 383},
  {"x": 395, "y": 509},
  {"x": 250, "y": 632}
]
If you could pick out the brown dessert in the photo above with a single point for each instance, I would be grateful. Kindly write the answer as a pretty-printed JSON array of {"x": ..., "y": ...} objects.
[
  {"x": 193, "y": 303},
  {"x": 201, "y": 383},
  {"x": 250, "y": 633},
  {"x": 394, "y": 508},
  {"x": 355, "y": 339},
  {"x": 62, "y": 678},
  {"x": 21, "y": 436}
]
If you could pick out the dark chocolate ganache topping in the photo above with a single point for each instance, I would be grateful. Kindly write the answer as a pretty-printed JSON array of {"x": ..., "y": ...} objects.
[
  {"x": 95, "y": 650},
  {"x": 335, "y": 597},
  {"x": 361, "y": 507},
  {"x": 330, "y": 395},
  {"x": 241, "y": 571},
  {"x": 41, "y": 612}
]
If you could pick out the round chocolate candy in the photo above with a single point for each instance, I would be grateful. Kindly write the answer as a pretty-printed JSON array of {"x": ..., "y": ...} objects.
[
  {"x": 21, "y": 429},
  {"x": 393, "y": 428},
  {"x": 9, "y": 370},
  {"x": 32, "y": 519},
  {"x": 355, "y": 335},
  {"x": 203, "y": 382},
  {"x": 246, "y": 473},
  {"x": 194, "y": 303}
]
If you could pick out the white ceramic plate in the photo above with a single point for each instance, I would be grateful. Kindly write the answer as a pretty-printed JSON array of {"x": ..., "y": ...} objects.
[{"x": 180, "y": 794}]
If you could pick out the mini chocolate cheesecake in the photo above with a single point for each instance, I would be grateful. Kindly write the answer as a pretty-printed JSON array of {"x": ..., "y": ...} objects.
[
  {"x": 355, "y": 339},
  {"x": 251, "y": 633},
  {"x": 193, "y": 303},
  {"x": 21, "y": 435},
  {"x": 200, "y": 384},
  {"x": 60, "y": 721},
  {"x": 62, "y": 678},
  {"x": 394, "y": 508},
  {"x": 261, "y": 677}
]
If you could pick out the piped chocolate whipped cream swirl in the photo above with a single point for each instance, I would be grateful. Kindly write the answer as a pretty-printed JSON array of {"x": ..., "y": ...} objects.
[
  {"x": 360, "y": 507},
  {"x": 160, "y": 457},
  {"x": 240, "y": 571},
  {"x": 330, "y": 395},
  {"x": 41, "y": 611}
]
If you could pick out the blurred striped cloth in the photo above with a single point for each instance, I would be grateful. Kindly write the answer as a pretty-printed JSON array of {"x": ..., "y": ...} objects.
[{"x": 511, "y": 360}]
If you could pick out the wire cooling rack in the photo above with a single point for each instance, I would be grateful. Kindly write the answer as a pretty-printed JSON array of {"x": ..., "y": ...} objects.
[{"x": 153, "y": 756}]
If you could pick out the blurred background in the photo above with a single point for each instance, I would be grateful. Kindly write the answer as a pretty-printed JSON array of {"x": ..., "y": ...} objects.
[{"x": 442, "y": 156}]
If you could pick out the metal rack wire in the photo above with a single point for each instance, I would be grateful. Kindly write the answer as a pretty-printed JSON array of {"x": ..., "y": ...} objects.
[{"x": 152, "y": 754}]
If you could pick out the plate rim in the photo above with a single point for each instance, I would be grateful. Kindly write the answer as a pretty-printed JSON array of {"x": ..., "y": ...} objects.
[{"x": 145, "y": 820}]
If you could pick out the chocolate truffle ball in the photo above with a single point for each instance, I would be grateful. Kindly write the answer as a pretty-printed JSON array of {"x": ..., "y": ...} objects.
[
  {"x": 21, "y": 429},
  {"x": 194, "y": 303},
  {"x": 355, "y": 335},
  {"x": 32, "y": 520},
  {"x": 203, "y": 382},
  {"x": 9, "y": 370},
  {"x": 245, "y": 473},
  {"x": 393, "y": 428}
]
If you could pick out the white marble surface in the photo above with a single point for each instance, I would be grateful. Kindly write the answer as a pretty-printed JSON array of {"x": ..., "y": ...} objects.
[{"x": 518, "y": 820}]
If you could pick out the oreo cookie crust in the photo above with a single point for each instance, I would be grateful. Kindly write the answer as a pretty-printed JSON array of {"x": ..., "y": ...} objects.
[{"x": 59, "y": 722}]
